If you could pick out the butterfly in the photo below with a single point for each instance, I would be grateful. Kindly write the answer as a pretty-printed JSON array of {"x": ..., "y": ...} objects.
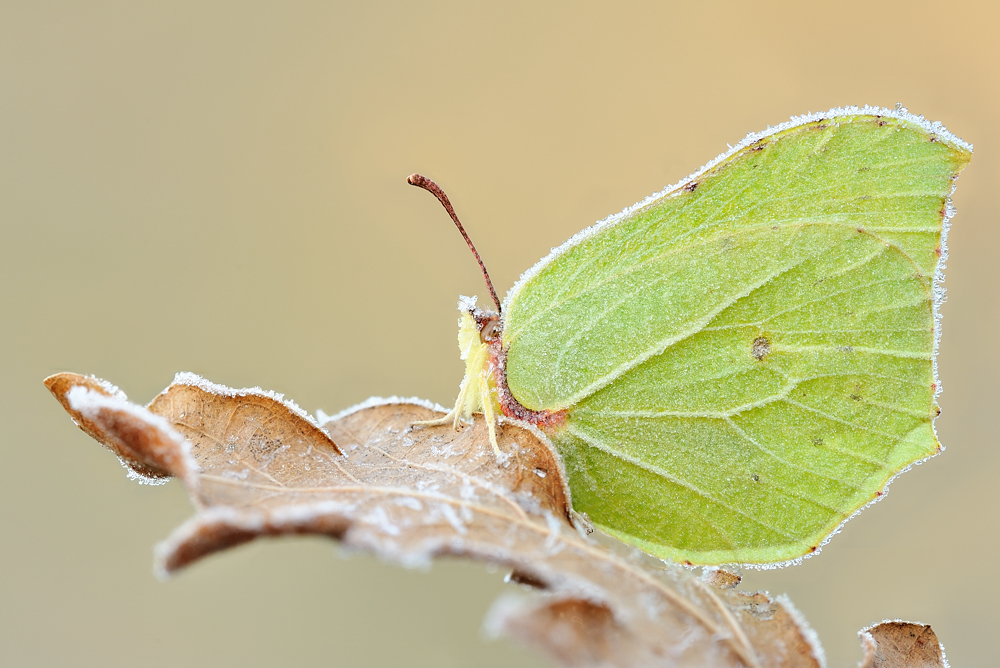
[{"x": 733, "y": 367}]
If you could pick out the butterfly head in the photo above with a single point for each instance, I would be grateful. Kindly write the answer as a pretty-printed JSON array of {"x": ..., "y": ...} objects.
[
  {"x": 487, "y": 325},
  {"x": 481, "y": 343}
]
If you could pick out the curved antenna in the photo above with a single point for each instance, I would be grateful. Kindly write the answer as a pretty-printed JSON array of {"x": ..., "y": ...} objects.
[{"x": 435, "y": 189}]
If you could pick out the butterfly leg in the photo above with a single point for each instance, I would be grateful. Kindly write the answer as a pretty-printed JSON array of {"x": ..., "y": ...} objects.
[
  {"x": 491, "y": 419},
  {"x": 451, "y": 417},
  {"x": 454, "y": 416}
]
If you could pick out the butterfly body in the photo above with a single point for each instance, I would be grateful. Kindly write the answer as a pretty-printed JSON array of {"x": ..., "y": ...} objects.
[{"x": 733, "y": 367}]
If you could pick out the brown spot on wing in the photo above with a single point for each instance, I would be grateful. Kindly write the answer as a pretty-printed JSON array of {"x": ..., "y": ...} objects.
[{"x": 760, "y": 348}]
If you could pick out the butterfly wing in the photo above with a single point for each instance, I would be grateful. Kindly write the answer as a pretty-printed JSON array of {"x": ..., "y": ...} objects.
[{"x": 747, "y": 360}]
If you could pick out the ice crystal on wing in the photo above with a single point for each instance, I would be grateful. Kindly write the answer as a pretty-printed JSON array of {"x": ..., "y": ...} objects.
[
  {"x": 840, "y": 527},
  {"x": 559, "y": 267},
  {"x": 900, "y": 113}
]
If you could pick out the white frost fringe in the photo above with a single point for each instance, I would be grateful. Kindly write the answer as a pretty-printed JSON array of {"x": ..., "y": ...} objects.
[{"x": 901, "y": 113}]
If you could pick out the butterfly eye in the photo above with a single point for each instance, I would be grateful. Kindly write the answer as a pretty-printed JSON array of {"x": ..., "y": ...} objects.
[{"x": 489, "y": 331}]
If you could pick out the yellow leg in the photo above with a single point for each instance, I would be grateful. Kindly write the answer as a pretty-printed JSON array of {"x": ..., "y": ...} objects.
[
  {"x": 454, "y": 416},
  {"x": 450, "y": 417},
  {"x": 491, "y": 419}
]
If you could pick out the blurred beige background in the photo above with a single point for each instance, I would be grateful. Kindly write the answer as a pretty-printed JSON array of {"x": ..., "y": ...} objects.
[{"x": 219, "y": 187}]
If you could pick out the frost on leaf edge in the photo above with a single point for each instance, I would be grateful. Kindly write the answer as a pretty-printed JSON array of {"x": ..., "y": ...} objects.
[
  {"x": 194, "y": 380},
  {"x": 865, "y": 634},
  {"x": 322, "y": 418},
  {"x": 89, "y": 403}
]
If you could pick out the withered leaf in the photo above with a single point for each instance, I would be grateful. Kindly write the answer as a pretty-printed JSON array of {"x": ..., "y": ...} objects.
[
  {"x": 148, "y": 449},
  {"x": 256, "y": 465},
  {"x": 899, "y": 644}
]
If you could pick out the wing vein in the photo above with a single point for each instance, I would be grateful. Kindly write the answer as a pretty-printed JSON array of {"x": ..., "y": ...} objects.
[{"x": 667, "y": 476}]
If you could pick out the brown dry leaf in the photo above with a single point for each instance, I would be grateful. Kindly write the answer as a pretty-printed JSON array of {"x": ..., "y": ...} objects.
[
  {"x": 256, "y": 465},
  {"x": 152, "y": 462},
  {"x": 899, "y": 644}
]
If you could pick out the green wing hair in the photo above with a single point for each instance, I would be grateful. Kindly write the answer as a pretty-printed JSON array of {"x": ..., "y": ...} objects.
[{"x": 747, "y": 359}]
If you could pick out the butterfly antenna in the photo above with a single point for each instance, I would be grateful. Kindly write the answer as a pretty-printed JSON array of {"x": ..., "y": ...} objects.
[{"x": 435, "y": 189}]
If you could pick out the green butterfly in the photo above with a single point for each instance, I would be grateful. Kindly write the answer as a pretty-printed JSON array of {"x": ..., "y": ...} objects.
[{"x": 733, "y": 367}]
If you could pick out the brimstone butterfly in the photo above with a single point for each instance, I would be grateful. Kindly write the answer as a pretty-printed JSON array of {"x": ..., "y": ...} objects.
[{"x": 734, "y": 366}]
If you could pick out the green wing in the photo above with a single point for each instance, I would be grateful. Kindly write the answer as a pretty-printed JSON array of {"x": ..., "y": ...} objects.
[{"x": 748, "y": 359}]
